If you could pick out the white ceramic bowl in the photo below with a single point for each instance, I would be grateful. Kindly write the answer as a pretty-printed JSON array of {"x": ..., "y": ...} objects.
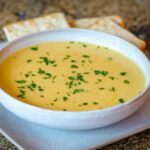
[{"x": 84, "y": 119}]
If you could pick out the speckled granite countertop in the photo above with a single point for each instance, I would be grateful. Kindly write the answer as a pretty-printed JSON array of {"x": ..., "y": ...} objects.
[{"x": 135, "y": 12}]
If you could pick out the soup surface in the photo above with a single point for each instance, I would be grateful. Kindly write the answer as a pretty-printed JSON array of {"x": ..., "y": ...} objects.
[{"x": 70, "y": 76}]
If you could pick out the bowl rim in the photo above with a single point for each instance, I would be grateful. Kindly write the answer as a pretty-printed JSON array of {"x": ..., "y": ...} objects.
[{"x": 122, "y": 105}]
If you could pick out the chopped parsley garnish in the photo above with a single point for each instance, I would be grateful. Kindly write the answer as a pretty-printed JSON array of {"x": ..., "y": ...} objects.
[
  {"x": 52, "y": 104},
  {"x": 66, "y": 57},
  {"x": 40, "y": 88},
  {"x": 22, "y": 94},
  {"x": 85, "y": 103},
  {"x": 121, "y": 100},
  {"x": 84, "y": 45},
  {"x": 74, "y": 66},
  {"x": 98, "y": 81},
  {"x": 47, "y": 61},
  {"x": 83, "y": 61},
  {"x": 95, "y": 103},
  {"x": 86, "y": 72},
  {"x": 70, "y": 84},
  {"x": 73, "y": 79},
  {"x": 112, "y": 89},
  {"x": 21, "y": 81},
  {"x": 80, "y": 77},
  {"x": 112, "y": 78},
  {"x": 123, "y": 73},
  {"x": 29, "y": 60},
  {"x": 65, "y": 98},
  {"x": 64, "y": 109},
  {"x": 32, "y": 86},
  {"x": 73, "y": 61},
  {"x": 78, "y": 91},
  {"x": 109, "y": 58},
  {"x": 55, "y": 100},
  {"x": 34, "y": 48},
  {"x": 67, "y": 47},
  {"x": 126, "y": 81},
  {"x": 86, "y": 56},
  {"x": 101, "y": 72},
  {"x": 41, "y": 71},
  {"x": 48, "y": 74},
  {"x": 102, "y": 88}
]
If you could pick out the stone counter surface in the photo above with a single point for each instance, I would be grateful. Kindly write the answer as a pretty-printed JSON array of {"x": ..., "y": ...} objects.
[{"x": 136, "y": 14}]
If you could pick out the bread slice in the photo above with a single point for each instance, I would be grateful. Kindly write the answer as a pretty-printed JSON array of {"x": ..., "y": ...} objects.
[
  {"x": 49, "y": 22},
  {"x": 109, "y": 26},
  {"x": 87, "y": 22}
]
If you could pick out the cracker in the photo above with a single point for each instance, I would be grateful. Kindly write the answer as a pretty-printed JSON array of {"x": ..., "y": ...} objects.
[{"x": 48, "y": 22}]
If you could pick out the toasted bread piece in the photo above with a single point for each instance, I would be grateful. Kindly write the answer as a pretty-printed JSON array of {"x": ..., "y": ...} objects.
[
  {"x": 109, "y": 26},
  {"x": 49, "y": 22},
  {"x": 87, "y": 22}
]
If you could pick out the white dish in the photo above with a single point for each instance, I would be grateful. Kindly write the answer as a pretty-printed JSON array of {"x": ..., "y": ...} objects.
[
  {"x": 30, "y": 136},
  {"x": 39, "y": 137},
  {"x": 85, "y": 119}
]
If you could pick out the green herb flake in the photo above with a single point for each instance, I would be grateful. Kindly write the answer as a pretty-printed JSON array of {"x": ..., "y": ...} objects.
[
  {"x": 70, "y": 84},
  {"x": 95, "y": 103},
  {"x": 112, "y": 89},
  {"x": 78, "y": 91},
  {"x": 83, "y": 61},
  {"x": 126, "y": 81},
  {"x": 52, "y": 104},
  {"x": 102, "y": 88},
  {"x": 85, "y": 103},
  {"x": 86, "y": 72},
  {"x": 65, "y": 98},
  {"x": 71, "y": 78},
  {"x": 22, "y": 94},
  {"x": 73, "y": 61},
  {"x": 26, "y": 75},
  {"x": 67, "y": 47},
  {"x": 21, "y": 81},
  {"x": 32, "y": 86},
  {"x": 40, "y": 88},
  {"x": 84, "y": 45},
  {"x": 66, "y": 57},
  {"x": 64, "y": 109},
  {"x": 99, "y": 72},
  {"x": 112, "y": 78},
  {"x": 123, "y": 73},
  {"x": 45, "y": 60},
  {"x": 29, "y": 60},
  {"x": 74, "y": 66},
  {"x": 35, "y": 48},
  {"x": 121, "y": 100},
  {"x": 80, "y": 77},
  {"x": 109, "y": 58},
  {"x": 55, "y": 100},
  {"x": 41, "y": 71},
  {"x": 86, "y": 56}
]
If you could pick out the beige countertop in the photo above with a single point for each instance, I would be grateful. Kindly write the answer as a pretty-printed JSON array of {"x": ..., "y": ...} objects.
[{"x": 136, "y": 14}]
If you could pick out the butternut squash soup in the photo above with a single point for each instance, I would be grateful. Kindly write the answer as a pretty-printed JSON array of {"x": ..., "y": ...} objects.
[{"x": 70, "y": 76}]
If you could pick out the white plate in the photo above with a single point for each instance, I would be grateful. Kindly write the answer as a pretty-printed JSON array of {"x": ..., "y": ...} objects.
[{"x": 27, "y": 135}]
